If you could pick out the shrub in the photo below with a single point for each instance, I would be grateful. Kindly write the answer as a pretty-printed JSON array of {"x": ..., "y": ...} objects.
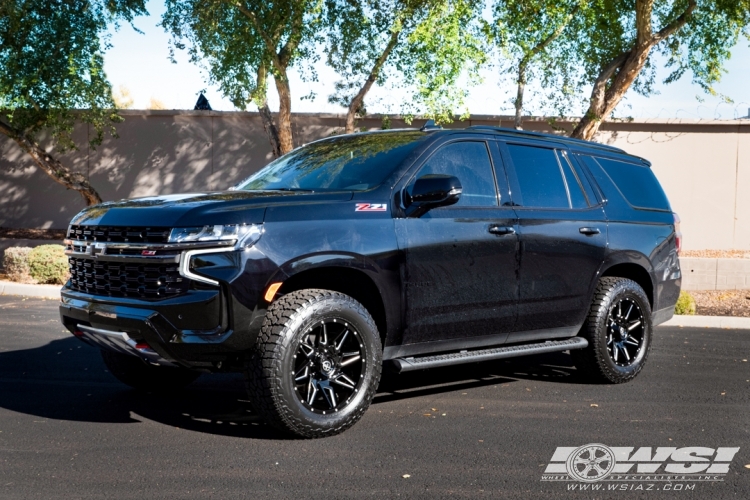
[
  {"x": 685, "y": 304},
  {"x": 16, "y": 263},
  {"x": 48, "y": 264}
]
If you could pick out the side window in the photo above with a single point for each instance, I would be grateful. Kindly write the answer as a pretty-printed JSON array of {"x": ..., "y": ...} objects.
[
  {"x": 470, "y": 162},
  {"x": 637, "y": 183},
  {"x": 539, "y": 176}
]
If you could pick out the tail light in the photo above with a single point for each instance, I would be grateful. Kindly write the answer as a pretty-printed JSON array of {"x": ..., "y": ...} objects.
[{"x": 677, "y": 232}]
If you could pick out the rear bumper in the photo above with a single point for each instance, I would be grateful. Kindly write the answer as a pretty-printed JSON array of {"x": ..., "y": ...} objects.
[{"x": 194, "y": 330}]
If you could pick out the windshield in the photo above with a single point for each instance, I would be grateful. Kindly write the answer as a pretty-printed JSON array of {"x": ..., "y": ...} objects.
[{"x": 347, "y": 163}]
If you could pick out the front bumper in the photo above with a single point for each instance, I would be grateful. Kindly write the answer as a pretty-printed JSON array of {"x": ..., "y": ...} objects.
[{"x": 162, "y": 325}]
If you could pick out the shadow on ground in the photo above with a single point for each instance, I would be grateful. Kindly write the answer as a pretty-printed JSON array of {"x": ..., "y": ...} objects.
[{"x": 67, "y": 380}]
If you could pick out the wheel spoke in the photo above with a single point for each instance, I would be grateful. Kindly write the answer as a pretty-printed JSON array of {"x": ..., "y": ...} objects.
[
  {"x": 615, "y": 349},
  {"x": 629, "y": 311},
  {"x": 350, "y": 360},
  {"x": 609, "y": 339},
  {"x": 324, "y": 337},
  {"x": 312, "y": 390},
  {"x": 619, "y": 309},
  {"x": 341, "y": 342},
  {"x": 630, "y": 341},
  {"x": 349, "y": 382},
  {"x": 306, "y": 369},
  {"x": 310, "y": 349},
  {"x": 330, "y": 396},
  {"x": 634, "y": 324},
  {"x": 625, "y": 351}
]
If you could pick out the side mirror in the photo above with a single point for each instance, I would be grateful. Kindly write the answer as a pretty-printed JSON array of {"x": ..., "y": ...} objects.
[{"x": 432, "y": 191}]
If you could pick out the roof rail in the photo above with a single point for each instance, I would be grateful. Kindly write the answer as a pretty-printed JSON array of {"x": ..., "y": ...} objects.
[{"x": 563, "y": 139}]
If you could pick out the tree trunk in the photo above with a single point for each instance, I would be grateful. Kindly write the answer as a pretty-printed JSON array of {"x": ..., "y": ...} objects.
[
  {"x": 261, "y": 100},
  {"x": 616, "y": 78},
  {"x": 519, "y": 93},
  {"x": 286, "y": 138},
  {"x": 358, "y": 99},
  {"x": 52, "y": 166}
]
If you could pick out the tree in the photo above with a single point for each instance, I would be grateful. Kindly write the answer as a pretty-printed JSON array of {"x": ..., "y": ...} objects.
[
  {"x": 620, "y": 39},
  {"x": 51, "y": 55},
  {"x": 242, "y": 42},
  {"x": 429, "y": 43},
  {"x": 528, "y": 32}
]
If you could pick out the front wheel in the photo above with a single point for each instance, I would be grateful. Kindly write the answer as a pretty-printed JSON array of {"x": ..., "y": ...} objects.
[
  {"x": 316, "y": 364},
  {"x": 131, "y": 371},
  {"x": 619, "y": 331}
]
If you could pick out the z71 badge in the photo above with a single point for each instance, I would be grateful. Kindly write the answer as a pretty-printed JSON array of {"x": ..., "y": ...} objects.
[{"x": 371, "y": 207}]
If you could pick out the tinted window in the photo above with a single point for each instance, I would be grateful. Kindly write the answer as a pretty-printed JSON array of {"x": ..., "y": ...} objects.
[
  {"x": 470, "y": 162},
  {"x": 577, "y": 198},
  {"x": 637, "y": 183},
  {"x": 353, "y": 163},
  {"x": 539, "y": 177}
]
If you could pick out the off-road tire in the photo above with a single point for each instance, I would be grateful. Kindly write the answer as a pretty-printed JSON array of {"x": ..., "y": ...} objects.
[
  {"x": 269, "y": 368},
  {"x": 594, "y": 362},
  {"x": 144, "y": 377}
]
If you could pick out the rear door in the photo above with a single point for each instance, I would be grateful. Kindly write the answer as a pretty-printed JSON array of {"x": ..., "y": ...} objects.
[
  {"x": 563, "y": 238},
  {"x": 460, "y": 261}
]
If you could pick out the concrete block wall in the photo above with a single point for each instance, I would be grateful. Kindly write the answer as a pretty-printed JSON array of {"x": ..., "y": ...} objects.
[
  {"x": 715, "y": 274},
  {"x": 704, "y": 166}
]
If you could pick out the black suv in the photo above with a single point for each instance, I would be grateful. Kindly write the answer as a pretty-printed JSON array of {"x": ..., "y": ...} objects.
[{"x": 407, "y": 249}]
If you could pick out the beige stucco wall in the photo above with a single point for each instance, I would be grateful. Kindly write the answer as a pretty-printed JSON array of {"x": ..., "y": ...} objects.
[{"x": 703, "y": 166}]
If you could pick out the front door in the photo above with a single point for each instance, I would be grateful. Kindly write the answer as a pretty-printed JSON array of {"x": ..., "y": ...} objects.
[
  {"x": 460, "y": 261},
  {"x": 563, "y": 237}
]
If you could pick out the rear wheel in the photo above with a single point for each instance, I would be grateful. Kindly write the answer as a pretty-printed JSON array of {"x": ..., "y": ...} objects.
[
  {"x": 317, "y": 363},
  {"x": 137, "y": 374},
  {"x": 619, "y": 331}
]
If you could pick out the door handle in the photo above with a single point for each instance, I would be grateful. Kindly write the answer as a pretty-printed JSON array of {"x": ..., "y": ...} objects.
[
  {"x": 502, "y": 230},
  {"x": 589, "y": 231}
]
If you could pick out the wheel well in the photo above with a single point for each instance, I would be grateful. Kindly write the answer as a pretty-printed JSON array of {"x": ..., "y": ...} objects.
[
  {"x": 636, "y": 273},
  {"x": 352, "y": 282}
]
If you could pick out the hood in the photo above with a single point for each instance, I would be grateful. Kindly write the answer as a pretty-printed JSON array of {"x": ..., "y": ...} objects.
[{"x": 197, "y": 209}]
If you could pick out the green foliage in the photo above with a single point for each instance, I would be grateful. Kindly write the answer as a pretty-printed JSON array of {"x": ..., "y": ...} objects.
[
  {"x": 425, "y": 44},
  {"x": 16, "y": 263},
  {"x": 235, "y": 40},
  {"x": 48, "y": 264},
  {"x": 51, "y": 55},
  {"x": 535, "y": 39},
  {"x": 607, "y": 30},
  {"x": 685, "y": 304}
]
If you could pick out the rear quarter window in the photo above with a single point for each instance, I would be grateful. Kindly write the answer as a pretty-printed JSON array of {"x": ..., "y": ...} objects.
[{"x": 637, "y": 183}]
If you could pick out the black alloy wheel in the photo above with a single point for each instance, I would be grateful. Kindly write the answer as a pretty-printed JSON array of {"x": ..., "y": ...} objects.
[
  {"x": 329, "y": 366},
  {"x": 618, "y": 329},
  {"x": 316, "y": 364},
  {"x": 626, "y": 328}
]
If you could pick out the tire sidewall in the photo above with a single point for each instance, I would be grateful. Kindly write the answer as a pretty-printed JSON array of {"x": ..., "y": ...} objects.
[{"x": 326, "y": 309}]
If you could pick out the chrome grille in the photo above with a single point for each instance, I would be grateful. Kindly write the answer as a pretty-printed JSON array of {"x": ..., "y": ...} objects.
[
  {"x": 120, "y": 279},
  {"x": 119, "y": 234}
]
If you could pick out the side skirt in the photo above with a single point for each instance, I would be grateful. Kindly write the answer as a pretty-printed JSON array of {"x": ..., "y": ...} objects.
[{"x": 421, "y": 362}]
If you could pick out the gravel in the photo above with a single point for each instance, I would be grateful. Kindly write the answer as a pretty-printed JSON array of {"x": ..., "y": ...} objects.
[
  {"x": 722, "y": 302},
  {"x": 717, "y": 254}
]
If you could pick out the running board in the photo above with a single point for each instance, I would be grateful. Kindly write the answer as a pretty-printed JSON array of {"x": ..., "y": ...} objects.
[{"x": 456, "y": 358}]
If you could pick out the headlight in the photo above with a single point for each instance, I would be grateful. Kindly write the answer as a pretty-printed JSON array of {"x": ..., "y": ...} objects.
[{"x": 245, "y": 234}]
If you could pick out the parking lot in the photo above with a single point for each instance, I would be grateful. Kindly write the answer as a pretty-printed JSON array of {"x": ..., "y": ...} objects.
[{"x": 70, "y": 430}]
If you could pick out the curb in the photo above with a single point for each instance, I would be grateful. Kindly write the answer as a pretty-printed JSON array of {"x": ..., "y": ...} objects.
[
  {"x": 725, "y": 322},
  {"x": 43, "y": 291}
]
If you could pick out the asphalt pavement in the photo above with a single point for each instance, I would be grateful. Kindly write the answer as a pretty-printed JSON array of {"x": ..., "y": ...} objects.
[{"x": 68, "y": 429}]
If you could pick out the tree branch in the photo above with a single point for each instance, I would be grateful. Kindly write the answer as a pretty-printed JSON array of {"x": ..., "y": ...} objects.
[
  {"x": 675, "y": 25},
  {"x": 270, "y": 43},
  {"x": 357, "y": 100}
]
